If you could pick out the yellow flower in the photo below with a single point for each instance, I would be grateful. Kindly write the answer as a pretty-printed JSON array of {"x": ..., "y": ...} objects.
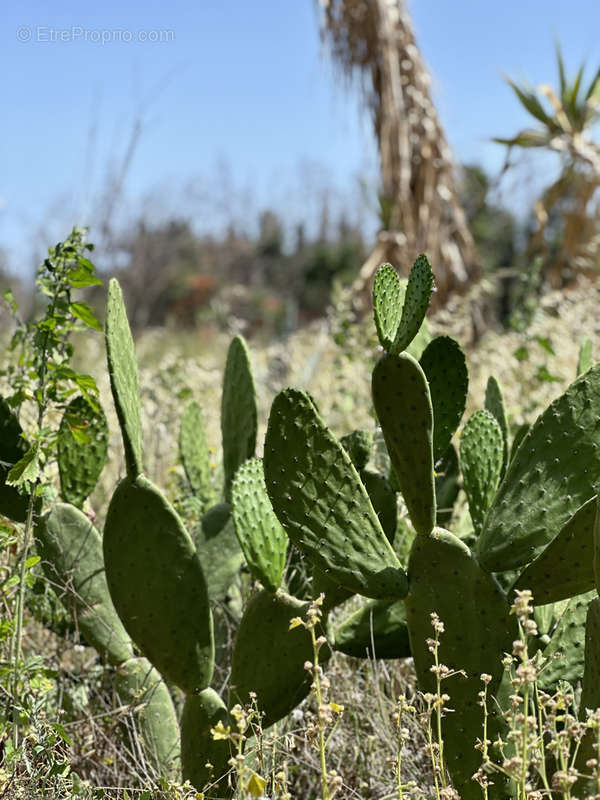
[
  {"x": 294, "y": 623},
  {"x": 256, "y": 785},
  {"x": 220, "y": 731},
  {"x": 335, "y": 707}
]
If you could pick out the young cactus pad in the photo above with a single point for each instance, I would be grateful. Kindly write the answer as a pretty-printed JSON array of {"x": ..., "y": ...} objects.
[
  {"x": 478, "y": 630},
  {"x": 445, "y": 368},
  {"x": 275, "y": 674},
  {"x": 157, "y": 584},
  {"x": 238, "y": 411},
  {"x": 403, "y": 406},
  {"x": 388, "y": 297},
  {"x": 551, "y": 475},
  {"x": 566, "y": 567},
  {"x": 12, "y": 448},
  {"x": 481, "y": 454},
  {"x": 154, "y": 719},
  {"x": 71, "y": 551},
  {"x": 377, "y": 630},
  {"x": 82, "y": 446},
  {"x": 194, "y": 453},
  {"x": 321, "y": 502},
  {"x": 204, "y": 759},
  {"x": 494, "y": 403},
  {"x": 358, "y": 445},
  {"x": 124, "y": 381},
  {"x": 261, "y": 537}
]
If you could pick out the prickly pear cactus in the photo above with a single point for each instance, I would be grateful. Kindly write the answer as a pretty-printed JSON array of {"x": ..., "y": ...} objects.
[
  {"x": 321, "y": 502},
  {"x": 481, "y": 455},
  {"x": 566, "y": 567},
  {"x": 377, "y": 630},
  {"x": 124, "y": 381},
  {"x": 447, "y": 477},
  {"x": 565, "y": 651},
  {"x": 12, "y": 448},
  {"x": 204, "y": 760},
  {"x": 551, "y": 475},
  {"x": 157, "y": 584},
  {"x": 275, "y": 674},
  {"x": 194, "y": 453},
  {"x": 154, "y": 722},
  {"x": 586, "y": 357},
  {"x": 494, "y": 403},
  {"x": 445, "y": 578},
  {"x": 388, "y": 297},
  {"x": 261, "y": 537},
  {"x": 403, "y": 406},
  {"x": 71, "y": 551},
  {"x": 82, "y": 446},
  {"x": 238, "y": 411},
  {"x": 383, "y": 499},
  {"x": 445, "y": 368},
  {"x": 219, "y": 549}
]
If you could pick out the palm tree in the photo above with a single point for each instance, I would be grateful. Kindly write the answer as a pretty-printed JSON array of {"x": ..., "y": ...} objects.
[
  {"x": 419, "y": 209},
  {"x": 567, "y": 233}
]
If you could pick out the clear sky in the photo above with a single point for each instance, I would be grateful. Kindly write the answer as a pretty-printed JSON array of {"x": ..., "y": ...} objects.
[{"x": 242, "y": 83}]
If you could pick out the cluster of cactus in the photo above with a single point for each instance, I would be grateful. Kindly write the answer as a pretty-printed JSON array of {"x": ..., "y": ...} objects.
[
  {"x": 532, "y": 508},
  {"x": 313, "y": 502}
]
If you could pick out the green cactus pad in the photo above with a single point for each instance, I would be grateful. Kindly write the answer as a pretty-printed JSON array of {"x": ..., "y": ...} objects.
[
  {"x": 416, "y": 303},
  {"x": 82, "y": 446},
  {"x": 445, "y": 578},
  {"x": 481, "y": 454},
  {"x": 12, "y": 448},
  {"x": 201, "y": 713},
  {"x": 447, "y": 475},
  {"x": 71, "y": 551},
  {"x": 334, "y": 594},
  {"x": 219, "y": 550},
  {"x": 238, "y": 411},
  {"x": 494, "y": 403},
  {"x": 268, "y": 657},
  {"x": 124, "y": 381},
  {"x": 568, "y": 641},
  {"x": 445, "y": 368},
  {"x": 157, "y": 584},
  {"x": 403, "y": 406},
  {"x": 377, "y": 629},
  {"x": 358, "y": 445},
  {"x": 586, "y": 357},
  {"x": 590, "y": 693},
  {"x": 566, "y": 567},
  {"x": 194, "y": 453},
  {"x": 153, "y": 721},
  {"x": 520, "y": 434},
  {"x": 261, "y": 537},
  {"x": 383, "y": 499},
  {"x": 551, "y": 475},
  {"x": 321, "y": 502},
  {"x": 388, "y": 298}
]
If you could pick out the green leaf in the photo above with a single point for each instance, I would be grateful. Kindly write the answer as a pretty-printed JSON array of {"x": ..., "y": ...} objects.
[
  {"x": 531, "y": 103},
  {"x": 543, "y": 374},
  {"x": 83, "y": 312},
  {"x": 546, "y": 344},
  {"x": 32, "y": 561},
  {"x": 80, "y": 277},
  {"x": 521, "y": 353},
  {"x": 27, "y": 469},
  {"x": 62, "y": 732}
]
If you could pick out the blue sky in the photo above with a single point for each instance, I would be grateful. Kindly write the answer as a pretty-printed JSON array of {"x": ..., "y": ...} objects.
[{"x": 239, "y": 94}]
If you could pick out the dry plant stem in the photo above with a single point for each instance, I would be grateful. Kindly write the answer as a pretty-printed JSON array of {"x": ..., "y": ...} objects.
[
  {"x": 319, "y": 696},
  {"x": 543, "y": 773},
  {"x": 440, "y": 738}
]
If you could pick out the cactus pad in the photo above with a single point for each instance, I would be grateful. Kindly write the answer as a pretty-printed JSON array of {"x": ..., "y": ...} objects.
[
  {"x": 403, "y": 406},
  {"x": 358, "y": 445},
  {"x": 124, "y": 381},
  {"x": 82, "y": 447},
  {"x": 157, "y": 584},
  {"x": 261, "y": 537},
  {"x": 202, "y": 712},
  {"x": 481, "y": 454},
  {"x": 494, "y": 403},
  {"x": 445, "y": 578},
  {"x": 238, "y": 411},
  {"x": 153, "y": 717},
  {"x": 321, "y": 502},
  {"x": 586, "y": 357},
  {"x": 378, "y": 630},
  {"x": 194, "y": 453},
  {"x": 447, "y": 475},
  {"x": 383, "y": 499},
  {"x": 551, "y": 475},
  {"x": 71, "y": 551},
  {"x": 566, "y": 567},
  {"x": 416, "y": 303},
  {"x": 12, "y": 448},
  {"x": 275, "y": 673},
  {"x": 445, "y": 368},
  {"x": 388, "y": 297},
  {"x": 219, "y": 550}
]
